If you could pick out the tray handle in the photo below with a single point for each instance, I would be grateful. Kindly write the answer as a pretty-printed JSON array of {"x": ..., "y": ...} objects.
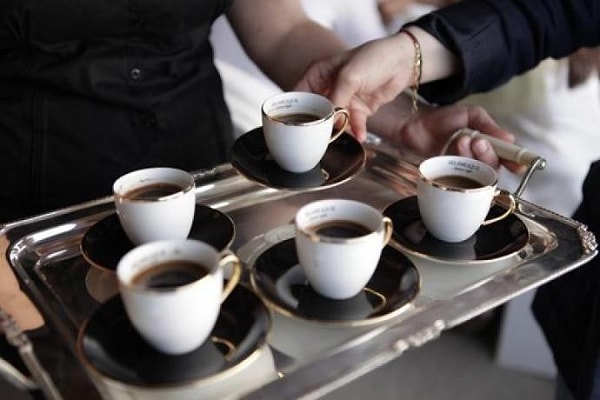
[
  {"x": 506, "y": 151},
  {"x": 40, "y": 378}
]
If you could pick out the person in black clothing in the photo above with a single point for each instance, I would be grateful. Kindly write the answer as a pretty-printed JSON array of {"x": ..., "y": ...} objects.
[
  {"x": 90, "y": 90},
  {"x": 568, "y": 308},
  {"x": 469, "y": 47}
]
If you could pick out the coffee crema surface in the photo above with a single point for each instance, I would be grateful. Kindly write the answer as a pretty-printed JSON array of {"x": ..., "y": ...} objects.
[
  {"x": 297, "y": 118},
  {"x": 170, "y": 274},
  {"x": 341, "y": 229},
  {"x": 153, "y": 191},
  {"x": 458, "y": 182}
]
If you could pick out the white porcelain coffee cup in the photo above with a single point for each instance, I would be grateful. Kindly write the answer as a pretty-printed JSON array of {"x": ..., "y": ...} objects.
[
  {"x": 172, "y": 291},
  {"x": 298, "y": 127},
  {"x": 155, "y": 204},
  {"x": 455, "y": 195},
  {"x": 339, "y": 244}
]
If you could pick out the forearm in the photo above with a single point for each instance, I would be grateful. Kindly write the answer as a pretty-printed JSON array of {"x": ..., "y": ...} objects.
[
  {"x": 391, "y": 116},
  {"x": 280, "y": 38},
  {"x": 286, "y": 63}
]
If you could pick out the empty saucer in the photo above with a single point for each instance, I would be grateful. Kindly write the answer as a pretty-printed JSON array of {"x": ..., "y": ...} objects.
[
  {"x": 109, "y": 345},
  {"x": 490, "y": 243},
  {"x": 105, "y": 242},
  {"x": 345, "y": 158},
  {"x": 279, "y": 280}
]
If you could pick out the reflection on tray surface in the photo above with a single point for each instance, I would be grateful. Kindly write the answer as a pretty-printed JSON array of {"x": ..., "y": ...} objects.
[
  {"x": 112, "y": 346},
  {"x": 105, "y": 242},
  {"x": 344, "y": 158},
  {"x": 279, "y": 279},
  {"x": 491, "y": 242}
]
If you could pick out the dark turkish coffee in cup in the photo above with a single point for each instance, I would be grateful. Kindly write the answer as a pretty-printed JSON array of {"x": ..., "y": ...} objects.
[
  {"x": 341, "y": 229},
  {"x": 152, "y": 191},
  {"x": 297, "y": 118},
  {"x": 170, "y": 274},
  {"x": 458, "y": 182}
]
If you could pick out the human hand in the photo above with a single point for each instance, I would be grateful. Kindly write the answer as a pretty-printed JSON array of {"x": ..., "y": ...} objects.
[
  {"x": 428, "y": 132},
  {"x": 13, "y": 300},
  {"x": 363, "y": 79}
]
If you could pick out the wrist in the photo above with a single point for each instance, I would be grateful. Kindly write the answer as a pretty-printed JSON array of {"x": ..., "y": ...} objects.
[
  {"x": 437, "y": 61},
  {"x": 417, "y": 67}
]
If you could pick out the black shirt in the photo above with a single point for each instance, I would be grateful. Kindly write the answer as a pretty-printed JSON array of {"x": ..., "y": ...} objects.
[{"x": 91, "y": 89}]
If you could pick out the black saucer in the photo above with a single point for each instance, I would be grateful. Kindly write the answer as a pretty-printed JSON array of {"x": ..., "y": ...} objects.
[
  {"x": 105, "y": 242},
  {"x": 490, "y": 243},
  {"x": 110, "y": 345},
  {"x": 279, "y": 281},
  {"x": 345, "y": 158}
]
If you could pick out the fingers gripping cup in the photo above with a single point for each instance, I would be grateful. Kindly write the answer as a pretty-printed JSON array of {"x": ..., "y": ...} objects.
[
  {"x": 298, "y": 127},
  {"x": 339, "y": 243},
  {"x": 455, "y": 195},
  {"x": 155, "y": 204},
  {"x": 172, "y": 291}
]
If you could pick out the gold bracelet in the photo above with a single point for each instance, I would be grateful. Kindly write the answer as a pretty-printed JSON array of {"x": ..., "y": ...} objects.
[{"x": 417, "y": 68}]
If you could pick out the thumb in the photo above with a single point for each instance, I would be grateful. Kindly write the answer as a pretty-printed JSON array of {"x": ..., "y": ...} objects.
[
  {"x": 343, "y": 91},
  {"x": 319, "y": 76}
]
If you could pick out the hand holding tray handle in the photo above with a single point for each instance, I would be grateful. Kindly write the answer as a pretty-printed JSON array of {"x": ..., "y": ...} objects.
[{"x": 506, "y": 151}]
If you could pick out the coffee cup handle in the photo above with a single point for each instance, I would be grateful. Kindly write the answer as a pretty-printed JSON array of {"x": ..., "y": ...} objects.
[
  {"x": 508, "y": 211},
  {"x": 388, "y": 230},
  {"x": 343, "y": 112},
  {"x": 230, "y": 258}
]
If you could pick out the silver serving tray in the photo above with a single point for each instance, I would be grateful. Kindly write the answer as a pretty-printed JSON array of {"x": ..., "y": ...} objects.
[{"x": 44, "y": 252}]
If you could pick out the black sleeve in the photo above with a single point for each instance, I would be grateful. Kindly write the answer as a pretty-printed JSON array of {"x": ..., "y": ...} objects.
[{"x": 498, "y": 39}]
